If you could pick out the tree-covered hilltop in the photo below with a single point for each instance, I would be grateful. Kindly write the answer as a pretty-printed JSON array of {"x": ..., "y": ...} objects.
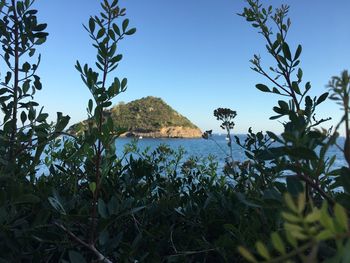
[{"x": 150, "y": 117}]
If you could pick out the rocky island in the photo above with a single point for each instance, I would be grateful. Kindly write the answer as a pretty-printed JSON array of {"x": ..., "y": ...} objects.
[{"x": 149, "y": 117}]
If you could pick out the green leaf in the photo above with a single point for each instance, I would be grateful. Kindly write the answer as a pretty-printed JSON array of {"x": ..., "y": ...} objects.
[
  {"x": 76, "y": 257},
  {"x": 125, "y": 24},
  {"x": 78, "y": 66},
  {"x": 262, "y": 88},
  {"x": 262, "y": 250},
  {"x": 23, "y": 117},
  {"x": 103, "y": 237},
  {"x": 31, "y": 114},
  {"x": 300, "y": 74},
  {"x": 322, "y": 98},
  {"x": 116, "y": 59},
  {"x": 295, "y": 87},
  {"x": 26, "y": 67},
  {"x": 41, "y": 35},
  {"x": 297, "y": 234},
  {"x": 313, "y": 216},
  {"x": 123, "y": 84},
  {"x": 37, "y": 83},
  {"x": 111, "y": 34},
  {"x": 341, "y": 216},
  {"x": 298, "y": 52},
  {"x": 275, "y": 117},
  {"x": 92, "y": 187},
  {"x": 112, "y": 50},
  {"x": 26, "y": 86},
  {"x": 303, "y": 153},
  {"x": 114, "y": 3},
  {"x": 290, "y": 203},
  {"x": 291, "y": 240},
  {"x": 324, "y": 235},
  {"x": 102, "y": 208},
  {"x": 92, "y": 25},
  {"x": 307, "y": 86},
  {"x": 8, "y": 77},
  {"x": 246, "y": 254},
  {"x": 42, "y": 117},
  {"x": 62, "y": 122},
  {"x": 274, "y": 136},
  {"x": 116, "y": 29},
  {"x": 275, "y": 90},
  {"x": 3, "y": 91},
  {"x": 284, "y": 105},
  {"x": 137, "y": 209},
  {"x": 286, "y": 51},
  {"x": 130, "y": 32},
  {"x": 55, "y": 203},
  {"x": 301, "y": 202},
  {"x": 100, "y": 33},
  {"x": 325, "y": 219},
  {"x": 280, "y": 110},
  {"x": 40, "y": 27},
  {"x": 278, "y": 243},
  {"x": 40, "y": 41},
  {"x": 290, "y": 217},
  {"x": 241, "y": 197},
  {"x": 90, "y": 105}
]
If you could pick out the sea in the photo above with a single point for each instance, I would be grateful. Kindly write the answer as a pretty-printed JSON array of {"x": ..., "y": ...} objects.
[{"x": 216, "y": 146}]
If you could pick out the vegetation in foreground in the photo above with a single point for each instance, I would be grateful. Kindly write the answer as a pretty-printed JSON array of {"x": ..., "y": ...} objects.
[{"x": 155, "y": 206}]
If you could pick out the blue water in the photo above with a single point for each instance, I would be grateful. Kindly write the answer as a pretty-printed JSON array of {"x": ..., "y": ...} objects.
[{"x": 203, "y": 148}]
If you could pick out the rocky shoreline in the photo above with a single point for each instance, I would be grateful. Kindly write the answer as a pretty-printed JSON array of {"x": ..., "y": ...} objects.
[{"x": 167, "y": 132}]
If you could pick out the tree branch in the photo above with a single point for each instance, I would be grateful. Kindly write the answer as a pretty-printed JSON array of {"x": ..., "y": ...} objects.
[{"x": 90, "y": 247}]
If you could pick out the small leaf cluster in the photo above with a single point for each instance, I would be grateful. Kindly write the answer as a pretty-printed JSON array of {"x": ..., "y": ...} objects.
[
  {"x": 226, "y": 116},
  {"x": 304, "y": 231}
]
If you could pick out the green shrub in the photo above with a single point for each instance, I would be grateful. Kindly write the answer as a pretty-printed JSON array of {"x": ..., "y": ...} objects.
[{"x": 158, "y": 206}]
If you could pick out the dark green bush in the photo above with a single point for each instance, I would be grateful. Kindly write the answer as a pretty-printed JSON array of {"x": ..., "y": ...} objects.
[{"x": 157, "y": 206}]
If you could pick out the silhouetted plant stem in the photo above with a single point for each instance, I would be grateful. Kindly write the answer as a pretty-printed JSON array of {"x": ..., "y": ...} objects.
[
  {"x": 229, "y": 142},
  {"x": 285, "y": 72},
  {"x": 99, "y": 146},
  {"x": 314, "y": 185},
  {"x": 340, "y": 89},
  {"x": 15, "y": 83},
  {"x": 91, "y": 247},
  {"x": 347, "y": 131}
]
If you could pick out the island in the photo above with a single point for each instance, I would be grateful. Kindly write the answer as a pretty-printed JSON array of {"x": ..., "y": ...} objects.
[{"x": 148, "y": 117}]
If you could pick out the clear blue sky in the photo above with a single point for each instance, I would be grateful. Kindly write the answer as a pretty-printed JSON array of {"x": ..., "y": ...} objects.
[{"x": 194, "y": 54}]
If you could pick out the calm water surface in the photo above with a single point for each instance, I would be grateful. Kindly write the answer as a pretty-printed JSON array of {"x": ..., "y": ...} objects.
[{"x": 203, "y": 148}]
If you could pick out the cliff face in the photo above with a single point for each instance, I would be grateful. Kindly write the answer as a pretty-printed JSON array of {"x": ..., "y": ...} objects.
[
  {"x": 148, "y": 117},
  {"x": 168, "y": 132}
]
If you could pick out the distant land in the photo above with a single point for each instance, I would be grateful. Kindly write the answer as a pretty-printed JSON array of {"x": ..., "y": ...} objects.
[{"x": 148, "y": 117}]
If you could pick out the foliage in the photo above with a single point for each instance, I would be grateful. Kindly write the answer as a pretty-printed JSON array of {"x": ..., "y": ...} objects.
[
  {"x": 300, "y": 153},
  {"x": 20, "y": 35},
  {"x": 286, "y": 199},
  {"x": 24, "y": 132},
  {"x": 305, "y": 230},
  {"x": 340, "y": 89}
]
